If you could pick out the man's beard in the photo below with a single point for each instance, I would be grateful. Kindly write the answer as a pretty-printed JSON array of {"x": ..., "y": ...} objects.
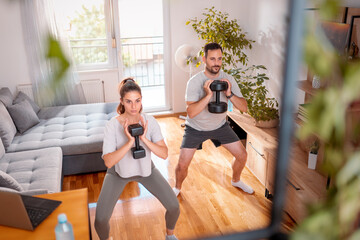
[{"x": 212, "y": 71}]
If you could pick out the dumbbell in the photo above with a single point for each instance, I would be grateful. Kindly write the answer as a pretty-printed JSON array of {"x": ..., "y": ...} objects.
[
  {"x": 136, "y": 130},
  {"x": 218, "y": 107}
]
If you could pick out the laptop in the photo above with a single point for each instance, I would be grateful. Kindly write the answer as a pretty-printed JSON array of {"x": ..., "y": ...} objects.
[{"x": 25, "y": 212}]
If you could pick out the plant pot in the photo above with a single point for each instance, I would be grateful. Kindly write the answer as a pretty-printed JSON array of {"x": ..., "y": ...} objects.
[
  {"x": 312, "y": 161},
  {"x": 267, "y": 124}
]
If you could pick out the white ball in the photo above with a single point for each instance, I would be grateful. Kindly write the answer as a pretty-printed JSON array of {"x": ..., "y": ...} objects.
[{"x": 316, "y": 82}]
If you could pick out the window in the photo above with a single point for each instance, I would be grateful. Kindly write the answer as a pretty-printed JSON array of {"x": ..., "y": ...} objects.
[
  {"x": 85, "y": 24},
  {"x": 124, "y": 35},
  {"x": 142, "y": 49}
]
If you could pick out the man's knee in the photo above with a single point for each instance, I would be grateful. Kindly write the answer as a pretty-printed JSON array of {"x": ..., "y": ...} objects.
[
  {"x": 183, "y": 164},
  {"x": 241, "y": 156}
]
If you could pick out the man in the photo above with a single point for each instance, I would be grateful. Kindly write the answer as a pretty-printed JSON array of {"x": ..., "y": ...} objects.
[{"x": 202, "y": 125}]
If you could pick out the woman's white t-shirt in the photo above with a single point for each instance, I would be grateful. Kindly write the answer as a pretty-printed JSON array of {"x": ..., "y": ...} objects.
[{"x": 114, "y": 138}]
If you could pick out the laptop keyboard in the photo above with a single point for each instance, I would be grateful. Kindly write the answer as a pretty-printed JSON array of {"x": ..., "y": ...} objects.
[{"x": 36, "y": 215}]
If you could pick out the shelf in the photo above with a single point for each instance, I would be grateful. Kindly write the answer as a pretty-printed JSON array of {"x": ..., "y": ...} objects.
[
  {"x": 311, "y": 184},
  {"x": 306, "y": 87},
  {"x": 298, "y": 120}
]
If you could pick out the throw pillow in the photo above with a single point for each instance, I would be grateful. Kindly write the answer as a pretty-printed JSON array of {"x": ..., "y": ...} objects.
[
  {"x": 2, "y": 149},
  {"x": 23, "y": 115},
  {"x": 7, "y": 126},
  {"x": 8, "y": 181},
  {"x": 6, "y": 96},
  {"x": 22, "y": 96}
]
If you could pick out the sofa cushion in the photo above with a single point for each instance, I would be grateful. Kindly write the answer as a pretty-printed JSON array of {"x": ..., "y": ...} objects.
[
  {"x": 36, "y": 169},
  {"x": 23, "y": 115},
  {"x": 77, "y": 129},
  {"x": 9, "y": 182},
  {"x": 6, "y": 96},
  {"x": 29, "y": 192},
  {"x": 7, "y": 126},
  {"x": 22, "y": 96},
  {"x": 2, "y": 149}
]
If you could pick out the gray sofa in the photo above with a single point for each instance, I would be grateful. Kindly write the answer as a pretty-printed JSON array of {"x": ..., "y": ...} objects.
[
  {"x": 31, "y": 172},
  {"x": 76, "y": 129}
]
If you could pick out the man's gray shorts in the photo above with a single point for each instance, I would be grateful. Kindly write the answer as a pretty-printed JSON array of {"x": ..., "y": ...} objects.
[{"x": 194, "y": 138}]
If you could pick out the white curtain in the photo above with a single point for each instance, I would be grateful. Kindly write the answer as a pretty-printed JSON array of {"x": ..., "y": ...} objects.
[{"x": 39, "y": 21}]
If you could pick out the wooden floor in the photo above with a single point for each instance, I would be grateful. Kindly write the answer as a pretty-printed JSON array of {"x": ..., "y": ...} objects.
[{"x": 209, "y": 205}]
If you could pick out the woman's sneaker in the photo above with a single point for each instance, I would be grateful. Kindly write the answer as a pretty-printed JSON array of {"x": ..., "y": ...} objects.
[{"x": 171, "y": 237}]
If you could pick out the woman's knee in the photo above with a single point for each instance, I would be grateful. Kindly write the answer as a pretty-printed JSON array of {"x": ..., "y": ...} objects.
[
  {"x": 174, "y": 208},
  {"x": 100, "y": 221}
]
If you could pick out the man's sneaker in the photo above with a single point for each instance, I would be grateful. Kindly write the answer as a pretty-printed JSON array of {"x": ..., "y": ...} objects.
[
  {"x": 242, "y": 186},
  {"x": 176, "y": 191},
  {"x": 170, "y": 237}
]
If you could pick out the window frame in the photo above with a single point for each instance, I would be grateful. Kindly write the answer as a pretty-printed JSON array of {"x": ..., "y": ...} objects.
[{"x": 109, "y": 26}]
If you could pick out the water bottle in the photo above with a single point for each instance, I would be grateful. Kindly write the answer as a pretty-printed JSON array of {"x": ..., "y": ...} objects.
[
  {"x": 64, "y": 230},
  {"x": 230, "y": 106}
]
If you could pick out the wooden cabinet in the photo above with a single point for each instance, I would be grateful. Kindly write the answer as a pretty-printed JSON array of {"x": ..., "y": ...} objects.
[
  {"x": 304, "y": 185},
  {"x": 256, "y": 161},
  {"x": 270, "y": 173},
  {"x": 261, "y": 145}
]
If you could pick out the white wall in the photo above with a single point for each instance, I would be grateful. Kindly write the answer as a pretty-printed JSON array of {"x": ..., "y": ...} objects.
[
  {"x": 262, "y": 19},
  {"x": 268, "y": 29},
  {"x": 180, "y": 12},
  {"x": 13, "y": 62}
]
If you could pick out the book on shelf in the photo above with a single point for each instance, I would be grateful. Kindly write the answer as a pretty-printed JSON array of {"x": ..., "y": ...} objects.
[
  {"x": 302, "y": 118},
  {"x": 304, "y": 106},
  {"x": 302, "y": 113}
]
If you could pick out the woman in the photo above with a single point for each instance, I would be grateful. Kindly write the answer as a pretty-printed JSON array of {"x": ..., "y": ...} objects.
[{"x": 123, "y": 168}]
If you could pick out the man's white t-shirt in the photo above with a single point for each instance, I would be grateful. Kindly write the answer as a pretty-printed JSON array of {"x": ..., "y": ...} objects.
[
  {"x": 114, "y": 138},
  {"x": 205, "y": 120}
]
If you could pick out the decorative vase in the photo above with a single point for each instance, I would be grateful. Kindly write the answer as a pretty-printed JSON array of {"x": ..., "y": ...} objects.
[
  {"x": 267, "y": 124},
  {"x": 312, "y": 160},
  {"x": 316, "y": 82}
]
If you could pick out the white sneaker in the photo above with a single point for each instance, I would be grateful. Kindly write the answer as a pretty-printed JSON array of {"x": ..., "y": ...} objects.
[
  {"x": 170, "y": 237},
  {"x": 242, "y": 186},
  {"x": 176, "y": 191}
]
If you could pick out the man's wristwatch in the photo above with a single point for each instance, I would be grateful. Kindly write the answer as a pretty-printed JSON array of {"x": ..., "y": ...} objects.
[{"x": 228, "y": 97}]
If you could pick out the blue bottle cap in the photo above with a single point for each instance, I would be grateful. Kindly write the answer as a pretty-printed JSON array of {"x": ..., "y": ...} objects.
[{"x": 62, "y": 218}]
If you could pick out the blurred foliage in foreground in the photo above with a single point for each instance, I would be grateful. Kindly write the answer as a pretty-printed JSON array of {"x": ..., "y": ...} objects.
[
  {"x": 336, "y": 217},
  {"x": 59, "y": 66}
]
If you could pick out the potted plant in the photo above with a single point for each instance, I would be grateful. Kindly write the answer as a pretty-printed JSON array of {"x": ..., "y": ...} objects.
[
  {"x": 262, "y": 108},
  {"x": 216, "y": 27},
  {"x": 312, "y": 160}
]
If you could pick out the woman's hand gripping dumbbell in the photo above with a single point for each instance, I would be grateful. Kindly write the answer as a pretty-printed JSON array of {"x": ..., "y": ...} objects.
[{"x": 136, "y": 130}]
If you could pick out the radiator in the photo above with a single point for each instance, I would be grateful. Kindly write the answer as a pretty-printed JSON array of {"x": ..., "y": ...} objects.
[
  {"x": 93, "y": 90},
  {"x": 27, "y": 89}
]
